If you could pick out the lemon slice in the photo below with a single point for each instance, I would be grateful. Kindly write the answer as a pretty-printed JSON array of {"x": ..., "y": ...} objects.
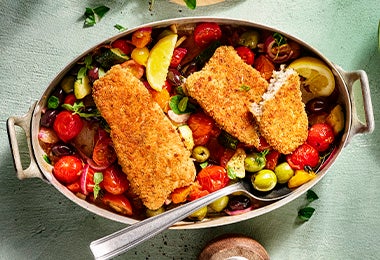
[
  {"x": 318, "y": 77},
  {"x": 157, "y": 65}
]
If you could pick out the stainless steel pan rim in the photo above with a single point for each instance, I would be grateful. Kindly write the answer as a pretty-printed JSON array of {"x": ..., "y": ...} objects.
[{"x": 41, "y": 169}]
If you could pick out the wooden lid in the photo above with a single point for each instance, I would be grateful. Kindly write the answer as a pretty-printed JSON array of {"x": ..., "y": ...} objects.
[{"x": 234, "y": 247}]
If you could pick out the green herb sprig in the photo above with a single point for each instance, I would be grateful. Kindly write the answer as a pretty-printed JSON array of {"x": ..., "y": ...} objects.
[
  {"x": 78, "y": 108},
  {"x": 94, "y": 15},
  {"x": 306, "y": 212}
]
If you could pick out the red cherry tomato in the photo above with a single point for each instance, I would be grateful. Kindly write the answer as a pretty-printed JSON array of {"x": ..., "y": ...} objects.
[
  {"x": 272, "y": 159},
  {"x": 142, "y": 37},
  {"x": 246, "y": 54},
  {"x": 201, "y": 125},
  {"x": 67, "y": 125},
  {"x": 177, "y": 57},
  {"x": 263, "y": 144},
  {"x": 122, "y": 45},
  {"x": 212, "y": 178},
  {"x": 104, "y": 154},
  {"x": 227, "y": 155},
  {"x": 74, "y": 187},
  {"x": 196, "y": 193},
  {"x": 68, "y": 169},
  {"x": 119, "y": 203},
  {"x": 70, "y": 99},
  {"x": 206, "y": 33},
  {"x": 114, "y": 180},
  {"x": 304, "y": 155},
  {"x": 321, "y": 136}
]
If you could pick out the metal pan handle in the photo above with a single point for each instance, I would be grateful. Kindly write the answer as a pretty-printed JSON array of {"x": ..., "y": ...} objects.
[
  {"x": 357, "y": 126},
  {"x": 24, "y": 122}
]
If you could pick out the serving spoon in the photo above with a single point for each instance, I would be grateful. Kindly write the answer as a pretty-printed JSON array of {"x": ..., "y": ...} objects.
[{"x": 129, "y": 237}]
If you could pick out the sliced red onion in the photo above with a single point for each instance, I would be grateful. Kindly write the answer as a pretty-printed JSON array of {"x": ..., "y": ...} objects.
[
  {"x": 83, "y": 179},
  {"x": 240, "y": 211},
  {"x": 95, "y": 166},
  {"x": 47, "y": 135},
  {"x": 270, "y": 41},
  {"x": 180, "y": 119}
]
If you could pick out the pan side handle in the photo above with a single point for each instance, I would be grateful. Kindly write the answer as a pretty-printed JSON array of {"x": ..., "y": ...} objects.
[
  {"x": 24, "y": 122},
  {"x": 357, "y": 126}
]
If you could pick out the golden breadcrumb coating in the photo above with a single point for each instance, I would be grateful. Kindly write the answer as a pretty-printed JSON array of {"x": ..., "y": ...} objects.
[
  {"x": 148, "y": 147},
  {"x": 225, "y": 88},
  {"x": 281, "y": 115}
]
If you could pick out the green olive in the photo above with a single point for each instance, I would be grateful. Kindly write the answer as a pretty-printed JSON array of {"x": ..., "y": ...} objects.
[
  {"x": 254, "y": 162},
  {"x": 249, "y": 39},
  {"x": 200, "y": 154},
  {"x": 219, "y": 204},
  {"x": 264, "y": 180},
  {"x": 283, "y": 172},
  {"x": 151, "y": 213},
  {"x": 199, "y": 214}
]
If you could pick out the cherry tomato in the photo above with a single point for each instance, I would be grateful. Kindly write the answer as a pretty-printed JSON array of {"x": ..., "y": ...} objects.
[
  {"x": 122, "y": 45},
  {"x": 201, "y": 125},
  {"x": 206, "y": 33},
  {"x": 142, "y": 37},
  {"x": 272, "y": 159},
  {"x": 304, "y": 155},
  {"x": 321, "y": 136},
  {"x": 263, "y": 144},
  {"x": 227, "y": 155},
  {"x": 114, "y": 180},
  {"x": 74, "y": 187},
  {"x": 246, "y": 54},
  {"x": 212, "y": 178},
  {"x": 196, "y": 193},
  {"x": 104, "y": 154},
  {"x": 119, "y": 203},
  {"x": 67, "y": 125},
  {"x": 264, "y": 66},
  {"x": 216, "y": 149},
  {"x": 177, "y": 57},
  {"x": 70, "y": 99},
  {"x": 68, "y": 169}
]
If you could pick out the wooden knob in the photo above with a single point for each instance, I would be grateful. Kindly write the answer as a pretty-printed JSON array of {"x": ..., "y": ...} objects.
[{"x": 234, "y": 247}]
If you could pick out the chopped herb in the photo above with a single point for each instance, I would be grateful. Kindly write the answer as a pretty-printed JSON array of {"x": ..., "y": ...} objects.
[
  {"x": 78, "y": 108},
  {"x": 311, "y": 196},
  {"x": 279, "y": 39},
  {"x": 244, "y": 88},
  {"x": 180, "y": 105},
  {"x": 305, "y": 213},
  {"x": 231, "y": 173},
  {"x": 120, "y": 27},
  {"x": 93, "y": 15},
  {"x": 98, "y": 178},
  {"x": 88, "y": 61},
  {"x": 191, "y": 4},
  {"x": 53, "y": 102},
  {"x": 203, "y": 165},
  {"x": 82, "y": 73},
  {"x": 46, "y": 159}
]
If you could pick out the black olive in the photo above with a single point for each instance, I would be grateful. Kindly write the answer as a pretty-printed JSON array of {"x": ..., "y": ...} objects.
[
  {"x": 47, "y": 119},
  {"x": 238, "y": 202}
]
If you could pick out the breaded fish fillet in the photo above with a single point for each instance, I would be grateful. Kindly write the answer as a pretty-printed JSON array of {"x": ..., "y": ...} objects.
[
  {"x": 281, "y": 115},
  {"x": 225, "y": 88},
  {"x": 148, "y": 147}
]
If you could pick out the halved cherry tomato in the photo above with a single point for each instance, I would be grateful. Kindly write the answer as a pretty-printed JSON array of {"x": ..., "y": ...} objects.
[
  {"x": 104, "y": 154},
  {"x": 70, "y": 99},
  {"x": 67, "y": 125},
  {"x": 263, "y": 144},
  {"x": 123, "y": 45},
  {"x": 119, "y": 203},
  {"x": 136, "y": 69},
  {"x": 212, "y": 178},
  {"x": 114, "y": 180},
  {"x": 264, "y": 66},
  {"x": 196, "y": 192},
  {"x": 142, "y": 37},
  {"x": 304, "y": 155},
  {"x": 321, "y": 136},
  {"x": 68, "y": 169},
  {"x": 201, "y": 125},
  {"x": 227, "y": 155},
  {"x": 272, "y": 159},
  {"x": 206, "y": 33},
  {"x": 178, "y": 55},
  {"x": 246, "y": 54},
  {"x": 74, "y": 187}
]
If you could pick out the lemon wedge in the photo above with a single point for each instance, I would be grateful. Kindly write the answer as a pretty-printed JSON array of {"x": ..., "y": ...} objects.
[
  {"x": 157, "y": 65},
  {"x": 318, "y": 77}
]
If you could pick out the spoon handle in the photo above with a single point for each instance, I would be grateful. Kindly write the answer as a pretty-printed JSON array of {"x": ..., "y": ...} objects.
[{"x": 129, "y": 237}]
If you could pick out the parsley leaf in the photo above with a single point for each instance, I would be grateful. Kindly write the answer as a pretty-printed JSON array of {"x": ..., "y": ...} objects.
[
  {"x": 180, "y": 105},
  {"x": 78, "y": 108},
  {"x": 98, "y": 178},
  {"x": 191, "y": 4},
  {"x": 306, "y": 213},
  {"x": 203, "y": 165},
  {"x": 311, "y": 196},
  {"x": 120, "y": 27},
  {"x": 244, "y": 88},
  {"x": 279, "y": 39},
  {"x": 93, "y": 15}
]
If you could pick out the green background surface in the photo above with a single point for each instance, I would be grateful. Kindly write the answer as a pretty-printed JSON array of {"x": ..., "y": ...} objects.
[{"x": 38, "y": 38}]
